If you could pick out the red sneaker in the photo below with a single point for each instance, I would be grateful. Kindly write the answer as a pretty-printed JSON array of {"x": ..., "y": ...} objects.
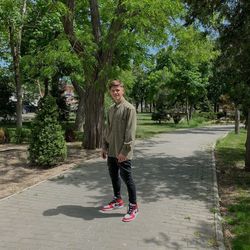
[
  {"x": 114, "y": 204},
  {"x": 131, "y": 214}
]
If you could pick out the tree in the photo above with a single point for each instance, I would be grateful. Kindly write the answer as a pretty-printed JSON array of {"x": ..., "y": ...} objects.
[
  {"x": 47, "y": 147},
  {"x": 48, "y": 54},
  {"x": 106, "y": 35},
  {"x": 7, "y": 107},
  {"x": 185, "y": 66},
  {"x": 232, "y": 21},
  {"x": 12, "y": 16}
]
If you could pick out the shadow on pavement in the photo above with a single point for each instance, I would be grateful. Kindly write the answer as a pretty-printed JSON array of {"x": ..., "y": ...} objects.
[
  {"x": 86, "y": 213},
  {"x": 156, "y": 177}
]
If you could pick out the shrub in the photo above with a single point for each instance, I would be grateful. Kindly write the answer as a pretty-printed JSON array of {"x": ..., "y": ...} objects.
[
  {"x": 176, "y": 118},
  {"x": 206, "y": 115},
  {"x": 160, "y": 116},
  {"x": 47, "y": 146},
  {"x": 7, "y": 107},
  {"x": 17, "y": 135}
]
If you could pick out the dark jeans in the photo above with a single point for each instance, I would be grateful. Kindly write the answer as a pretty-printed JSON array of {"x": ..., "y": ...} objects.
[{"x": 123, "y": 170}]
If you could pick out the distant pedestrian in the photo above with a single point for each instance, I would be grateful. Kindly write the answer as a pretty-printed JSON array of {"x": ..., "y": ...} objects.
[{"x": 118, "y": 145}]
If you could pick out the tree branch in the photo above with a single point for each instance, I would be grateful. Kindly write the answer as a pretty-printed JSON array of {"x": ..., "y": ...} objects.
[
  {"x": 68, "y": 26},
  {"x": 113, "y": 33},
  {"x": 77, "y": 87},
  {"x": 95, "y": 20}
]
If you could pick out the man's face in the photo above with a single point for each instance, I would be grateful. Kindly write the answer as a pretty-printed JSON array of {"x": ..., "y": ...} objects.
[{"x": 117, "y": 93}]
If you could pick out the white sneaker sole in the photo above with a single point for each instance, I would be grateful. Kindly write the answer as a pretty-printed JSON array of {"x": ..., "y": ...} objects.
[
  {"x": 128, "y": 220},
  {"x": 110, "y": 209}
]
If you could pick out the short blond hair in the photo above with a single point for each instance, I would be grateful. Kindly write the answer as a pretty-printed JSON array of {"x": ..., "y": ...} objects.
[{"x": 115, "y": 83}]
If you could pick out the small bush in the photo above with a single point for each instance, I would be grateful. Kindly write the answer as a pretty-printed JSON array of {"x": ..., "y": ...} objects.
[
  {"x": 206, "y": 115},
  {"x": 47, "y": 146},
  {"x": 18, "y": 135},
  {"x": 160, "y": 116},
  {"x": 177, "y": 118},
  {"x": 79, "y": 136},
  {"x": 220, "y": 115}
]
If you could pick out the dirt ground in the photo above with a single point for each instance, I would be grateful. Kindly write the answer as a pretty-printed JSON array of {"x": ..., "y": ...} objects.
[{"x": 16, "y": 174}]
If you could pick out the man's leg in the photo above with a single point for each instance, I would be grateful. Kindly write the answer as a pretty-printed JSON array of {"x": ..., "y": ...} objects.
[
  {"x": 117, "y": 201},
  {"x": 126, "y": 175},
  {"x": 114, "y": 175}
]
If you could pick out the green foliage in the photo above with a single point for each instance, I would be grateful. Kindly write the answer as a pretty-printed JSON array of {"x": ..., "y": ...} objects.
[
  {"x": 230, "y": 153},
  {"x": 57, "y": 91},
  {"x": 186, "y": 65},
  {"x": 161, "y": 107},
  {"x": 232, "y": 148},
  {"x": 206, "y": 115},
  {"x": 7, "y": 107},
  {"x": 240, "y": 218},
  {"x": 18, "y": 135},
  {"x": 47, "y": 146}
]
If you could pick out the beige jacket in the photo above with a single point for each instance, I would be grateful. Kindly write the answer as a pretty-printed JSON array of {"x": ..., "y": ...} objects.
[{"x": 119, "y": 136}]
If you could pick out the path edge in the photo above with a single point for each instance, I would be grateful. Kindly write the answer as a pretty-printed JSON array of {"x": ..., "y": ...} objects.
[{"x": 217, "y": 215}]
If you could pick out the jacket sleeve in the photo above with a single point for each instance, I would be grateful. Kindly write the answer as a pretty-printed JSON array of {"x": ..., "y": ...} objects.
[{"x": 129, "y": 137}]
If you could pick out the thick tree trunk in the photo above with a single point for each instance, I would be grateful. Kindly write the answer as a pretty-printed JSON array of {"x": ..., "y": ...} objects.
[
  {"x": 247, "y": 157},
  {"x": 94, "y": 93},
  {"x": 94, "y": 116},
  {"x": 237, "y": 120},
  {"x": 79, "y": 122}
]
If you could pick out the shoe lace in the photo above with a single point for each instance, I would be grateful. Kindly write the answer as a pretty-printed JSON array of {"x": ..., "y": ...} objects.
[{"x": 131, "y": 208}]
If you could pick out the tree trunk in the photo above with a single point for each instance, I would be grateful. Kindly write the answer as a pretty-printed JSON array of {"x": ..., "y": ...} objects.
[
  {"x": 15, "y": 46},
  {"x": 41, "y": 94},
  {"x": 187, "y": 110},
  {"x": 95, "y": 87},
  {"x": 237, "y": 120},
  {"x": 80, "y": 114},
  {"x": 190, "y": 112},
  {"x": 46, "y": 87},
  {"x": 247, "y": 156},
  {"x": 94, "y": 114},
  {"x": 15, "y": 51},
  {"x": 79, "y": 122}
]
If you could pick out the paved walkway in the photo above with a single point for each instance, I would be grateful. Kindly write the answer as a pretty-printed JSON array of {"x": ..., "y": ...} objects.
[{"x": 176, "y": 187}]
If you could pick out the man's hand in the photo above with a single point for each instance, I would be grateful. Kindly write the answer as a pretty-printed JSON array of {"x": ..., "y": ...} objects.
[
  {"x": 121, "y": 158},
  {"x": 104, "y": 154}
]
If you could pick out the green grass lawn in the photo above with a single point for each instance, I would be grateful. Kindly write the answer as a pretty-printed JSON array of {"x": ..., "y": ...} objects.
[
  {"x": 147, "y": 128},
  {"x": 230, "y": 153}
]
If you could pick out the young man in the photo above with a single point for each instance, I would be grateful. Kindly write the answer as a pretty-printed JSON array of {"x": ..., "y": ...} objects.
[{"x": 118, "y": 145}]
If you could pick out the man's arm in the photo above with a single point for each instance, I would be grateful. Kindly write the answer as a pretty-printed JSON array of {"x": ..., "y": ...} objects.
[{"x": 129, "y": 135}]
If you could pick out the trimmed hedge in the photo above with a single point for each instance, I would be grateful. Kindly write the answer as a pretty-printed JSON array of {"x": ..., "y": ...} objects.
[{"x": 47, "y": 145}]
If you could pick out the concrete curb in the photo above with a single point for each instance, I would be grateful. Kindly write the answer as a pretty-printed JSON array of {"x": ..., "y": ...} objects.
[{"x": 217, "y": 214}]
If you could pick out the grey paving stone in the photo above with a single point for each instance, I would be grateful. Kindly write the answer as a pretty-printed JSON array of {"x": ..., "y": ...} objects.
[{"x": 176, "y": 192}]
